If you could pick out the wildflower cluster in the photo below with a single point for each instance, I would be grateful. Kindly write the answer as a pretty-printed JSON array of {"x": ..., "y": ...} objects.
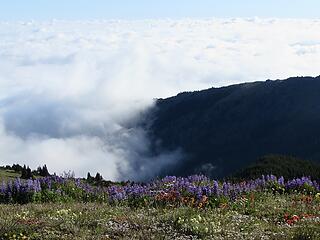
[
  {"x": 195, "y": 191},
  {"x": 49, "y": 189}
]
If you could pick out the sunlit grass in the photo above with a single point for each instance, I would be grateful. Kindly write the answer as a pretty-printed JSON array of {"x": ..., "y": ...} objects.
[
  {"x": 262, "y": 216},
  {"x": 8, "y": 175}
]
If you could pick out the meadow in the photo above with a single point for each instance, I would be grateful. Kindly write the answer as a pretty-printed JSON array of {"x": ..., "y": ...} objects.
[{"x": 193, "y": 207}]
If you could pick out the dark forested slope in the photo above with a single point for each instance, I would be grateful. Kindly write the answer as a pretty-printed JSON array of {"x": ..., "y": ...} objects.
[
  {"x": 223, "y": 129},
  {"x": 286, "y": 166}
]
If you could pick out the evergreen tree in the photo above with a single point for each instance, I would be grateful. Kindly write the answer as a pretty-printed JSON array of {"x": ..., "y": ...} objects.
[
  {"x": 98, "y": 177},
  {"x": 26, "y": 172},
  {"x": 89, "y": 177},
  {"x": 39, "y": 171},
  {"x": 23, "y": 171},
  {"x": 45, "y": 172},
  {"x": 16, "y": 168}
]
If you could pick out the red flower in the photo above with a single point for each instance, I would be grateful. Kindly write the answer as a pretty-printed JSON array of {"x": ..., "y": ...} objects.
[
  {"x": 290, "y": 222},
  {"x": 295, "y": 218}
]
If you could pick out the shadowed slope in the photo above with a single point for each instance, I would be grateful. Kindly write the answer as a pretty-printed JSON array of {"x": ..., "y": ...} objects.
[{"x": 223, "y": 129}]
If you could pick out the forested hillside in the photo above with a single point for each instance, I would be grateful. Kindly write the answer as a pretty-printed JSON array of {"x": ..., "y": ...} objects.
[{"x": 221, "y": 130}]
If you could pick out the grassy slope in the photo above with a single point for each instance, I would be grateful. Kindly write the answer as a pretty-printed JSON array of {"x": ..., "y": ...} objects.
[
  {"x": 8, "y": 174},
  {"x": 260, "y": 217}
]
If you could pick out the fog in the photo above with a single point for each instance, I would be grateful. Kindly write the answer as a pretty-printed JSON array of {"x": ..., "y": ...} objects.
[{"x": 73, "y": 92}]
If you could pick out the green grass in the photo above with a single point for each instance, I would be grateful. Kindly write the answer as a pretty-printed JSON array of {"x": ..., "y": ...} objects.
[
  {"x": 261, "y": 216},
  {"x": 8, "y": 175}
]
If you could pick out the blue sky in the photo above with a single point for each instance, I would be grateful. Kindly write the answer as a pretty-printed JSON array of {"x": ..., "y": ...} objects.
[{"x": 142, "y": 9}]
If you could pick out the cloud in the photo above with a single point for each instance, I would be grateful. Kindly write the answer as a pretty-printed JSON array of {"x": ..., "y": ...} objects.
[{"x": 72, "y": 91}]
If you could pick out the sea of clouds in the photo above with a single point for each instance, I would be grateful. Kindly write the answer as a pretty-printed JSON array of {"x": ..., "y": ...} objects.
[{"x": 72, "y": 91}]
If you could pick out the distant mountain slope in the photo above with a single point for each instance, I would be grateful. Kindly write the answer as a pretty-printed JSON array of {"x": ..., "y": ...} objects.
[
  {"x": 223, "y": 129},
  {"x": 286, "y": 166}
]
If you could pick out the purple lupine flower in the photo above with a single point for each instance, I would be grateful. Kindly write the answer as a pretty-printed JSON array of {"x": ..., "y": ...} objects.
[
  {"x": 37, "y": 185},
  {"x": 30, "y": 185},
  {"x": 17, "y": 184},
  {"x": 78, "y": 182},
  {"x": 263, "y": 181},
  {"x": 216, "y": 189},
  {"x": 207, "y": 190},
  {"x": 225, "y": 188},
  {"x": 3, "y": 188},
  {"x": 316, "y": 185}
]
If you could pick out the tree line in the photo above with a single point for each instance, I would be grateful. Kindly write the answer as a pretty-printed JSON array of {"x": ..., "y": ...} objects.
[{"x": 26, "y": 172}]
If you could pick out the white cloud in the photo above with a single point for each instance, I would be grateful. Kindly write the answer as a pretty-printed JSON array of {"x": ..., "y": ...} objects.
[{"x": 68, "y": 88}]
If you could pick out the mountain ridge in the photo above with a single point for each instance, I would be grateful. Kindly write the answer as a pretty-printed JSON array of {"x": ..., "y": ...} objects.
[{"x": 228, "y": 128}]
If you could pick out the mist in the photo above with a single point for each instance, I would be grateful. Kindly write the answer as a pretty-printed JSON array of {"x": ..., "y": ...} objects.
[{"x": 72, "y": 93}]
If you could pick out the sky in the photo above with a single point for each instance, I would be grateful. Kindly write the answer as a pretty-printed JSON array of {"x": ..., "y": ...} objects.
[
  {"x": 142, "y": 9},
  {"x": 72, "y": 92}
]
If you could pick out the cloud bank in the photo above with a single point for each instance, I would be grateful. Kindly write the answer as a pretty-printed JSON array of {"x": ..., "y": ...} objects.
[{"x": 71, "y": 92}]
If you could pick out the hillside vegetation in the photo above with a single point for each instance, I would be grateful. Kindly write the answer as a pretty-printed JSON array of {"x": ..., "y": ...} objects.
[
  {"x": 16, "y": 171},
  {"x": 221, "y": 130},
  {"x": 280, "y": 165}
]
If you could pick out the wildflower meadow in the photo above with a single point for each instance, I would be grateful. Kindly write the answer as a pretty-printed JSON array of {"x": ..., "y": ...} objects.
[{"x": 193, "y": 207}]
